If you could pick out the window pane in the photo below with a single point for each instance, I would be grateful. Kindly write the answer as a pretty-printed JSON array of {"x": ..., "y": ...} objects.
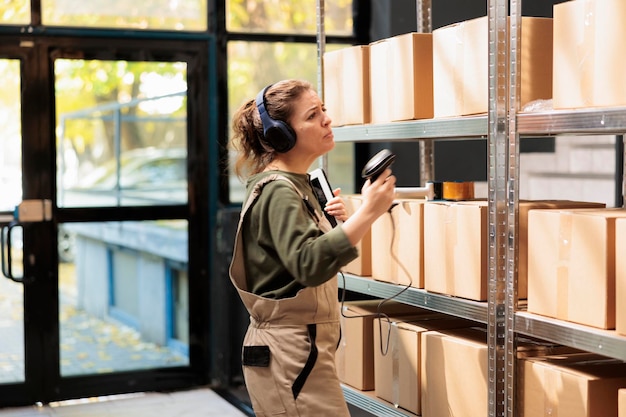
[
  {"x": 288, "y": 16},
  {"x": 122, "y": 133},
  {"x": 341, "y": 168},
  {"x": 115, "y": 312},
  {"x": 253, "y": 65},
  {"x": 11, "y": 293},
  {"x": 12, "y": 320},
  {"x": 15, "y": 12},
  {"x": 185, "y": 15},
  {"x": 10, "y": 135}
]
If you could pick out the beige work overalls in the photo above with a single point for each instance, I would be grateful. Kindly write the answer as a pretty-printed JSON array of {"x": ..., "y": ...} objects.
[{"x": 289, "y": 349}]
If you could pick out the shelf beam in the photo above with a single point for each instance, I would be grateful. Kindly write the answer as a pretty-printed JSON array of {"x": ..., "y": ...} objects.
[
  {"x": 598, "y": 121},
  {"x": 603, "y": 342},
  {"x": 372, "y": 405},
  {"x": 467, "y": 127},
  {"x": 602, "y": 121},
  {"x": 460, "y": 307}
]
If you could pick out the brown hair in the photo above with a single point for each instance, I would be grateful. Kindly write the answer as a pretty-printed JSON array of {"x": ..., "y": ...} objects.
[{"x": 248, "y": 139}]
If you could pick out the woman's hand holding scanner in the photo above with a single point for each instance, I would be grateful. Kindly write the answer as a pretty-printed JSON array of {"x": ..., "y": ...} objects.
[
  {"x": 383, "y": 159},
  {"x": 381, "y": 192},
  {"x": 378, "y": 196}
]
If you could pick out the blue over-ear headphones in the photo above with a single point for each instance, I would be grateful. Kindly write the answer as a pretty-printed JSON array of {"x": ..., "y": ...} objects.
[{"x": 278, "y": 134}]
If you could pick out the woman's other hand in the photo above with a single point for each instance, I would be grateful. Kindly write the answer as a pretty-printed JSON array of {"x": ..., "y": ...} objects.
[{"x": 336, "y": 206}]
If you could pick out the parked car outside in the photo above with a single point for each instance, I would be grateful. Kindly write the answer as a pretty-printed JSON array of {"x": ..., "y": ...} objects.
[{"x": 145, "y": 176}]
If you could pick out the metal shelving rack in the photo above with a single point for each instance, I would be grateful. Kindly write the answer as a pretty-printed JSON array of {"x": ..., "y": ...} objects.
[{"x": 502, "y": 127}]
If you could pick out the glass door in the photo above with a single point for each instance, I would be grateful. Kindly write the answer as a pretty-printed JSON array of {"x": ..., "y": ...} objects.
[
  {"x": 121, "y": 142},
  {"x": 95, "y": 298},
  {"x": 11, "y": 290}
]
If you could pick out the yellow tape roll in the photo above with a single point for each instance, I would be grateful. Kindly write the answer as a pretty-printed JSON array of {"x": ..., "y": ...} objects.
[{"x": 458, "y": 190}]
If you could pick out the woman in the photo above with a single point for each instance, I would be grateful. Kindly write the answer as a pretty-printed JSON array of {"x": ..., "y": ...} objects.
[{"x": 287, "y": 256}]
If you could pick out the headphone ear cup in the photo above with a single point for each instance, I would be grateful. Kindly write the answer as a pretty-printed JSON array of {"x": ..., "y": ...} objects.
[{"x": 280, "y": 136}]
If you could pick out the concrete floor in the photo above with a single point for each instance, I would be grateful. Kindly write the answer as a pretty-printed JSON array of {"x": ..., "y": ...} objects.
[{"x": 193, "y": 403}]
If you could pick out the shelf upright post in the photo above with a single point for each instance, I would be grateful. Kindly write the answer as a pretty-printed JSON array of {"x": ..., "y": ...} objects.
[
  {"x": 514, "y": 38},
  {"x": 321, "y": 48},
  {"x": 427, "y": 146},
  {"x": 499, "y": 311}
]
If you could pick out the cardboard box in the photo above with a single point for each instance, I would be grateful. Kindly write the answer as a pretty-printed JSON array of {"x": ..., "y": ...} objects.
[
  {"x": 461, "y": 65},
  {"x": 401, "y": 78},
  {"x": 455, "y": 370},
  {"x": 620, "y": 276},
  {"x": 362, "y": 265},
  {"x": 347, "y": 85},
  {"x": 454, "y": 373},
  {"x": 397, "y": 357},
  {"x": 577, "y": 385},
  {"x": 455, "y": 258},
  {"x": 398, "y": 244},
  {"x": 571, "y": 265},
  {"x": 621, "y": 403},
  {"x": 589, "y": 54},
  {"x": 355, "y": 354},
  {"x": 524, "y": 207}
]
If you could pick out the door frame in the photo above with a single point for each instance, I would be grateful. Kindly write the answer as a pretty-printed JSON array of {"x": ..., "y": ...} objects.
[{"x": 43, "y": 382}]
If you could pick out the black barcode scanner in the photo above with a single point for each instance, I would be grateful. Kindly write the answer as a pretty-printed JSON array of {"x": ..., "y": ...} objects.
[
  {"x": 377, "y": 164},
  {"x": 382, "y": 160}
]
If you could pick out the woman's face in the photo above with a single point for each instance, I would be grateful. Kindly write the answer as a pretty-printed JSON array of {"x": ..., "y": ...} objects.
[{"x": 312, "y": 125}]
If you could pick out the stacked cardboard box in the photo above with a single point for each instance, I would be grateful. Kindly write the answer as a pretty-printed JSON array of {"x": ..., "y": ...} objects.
[
  {"x": 455, "y": 259},
  {"x": 575, "y": 385},
  {"x": 401, "y": 74},
  {"x": 397, "y": 352},
  {"x": 589, "y": 54},
  {"x": 355, "y": 355},
  {"x": 571, "y": 265},
  {"x": 620, "y": 276},
  {"x": 347, "y": 85},
  {"x": 362, "y": 265},
  {"x": 455, "y": 370},
  {"x": 525, "y": 207},
  {"x": 397, "y": 244},
  {"x": 461, "y": 65},
  {"x": 454, "y": 373},
  {"x": 424, "y": 75}
]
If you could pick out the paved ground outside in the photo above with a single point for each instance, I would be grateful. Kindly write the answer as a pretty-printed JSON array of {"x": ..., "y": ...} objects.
[{"x": 88, "y": 345}]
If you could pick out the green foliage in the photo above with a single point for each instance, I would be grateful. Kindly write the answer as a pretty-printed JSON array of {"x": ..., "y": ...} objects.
[
  {"x": 187, "y": 15},
  {"x": 15, "y": 11},
  {"x": 295, "y": 16},
  {"x": 82, "y": 85}
]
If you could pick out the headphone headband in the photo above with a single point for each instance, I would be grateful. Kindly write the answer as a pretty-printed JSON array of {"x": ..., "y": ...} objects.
[{"x": 278, "y": 134}]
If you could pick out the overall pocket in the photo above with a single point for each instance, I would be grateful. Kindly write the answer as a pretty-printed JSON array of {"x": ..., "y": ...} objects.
[{"x": 259, "y": 374}]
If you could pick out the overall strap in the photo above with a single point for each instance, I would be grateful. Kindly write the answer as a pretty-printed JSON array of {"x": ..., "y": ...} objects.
[{"x": 258, "y": 187}]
